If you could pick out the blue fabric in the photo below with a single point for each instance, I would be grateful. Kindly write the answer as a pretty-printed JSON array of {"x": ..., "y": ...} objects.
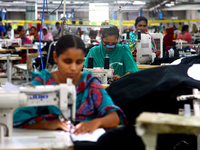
[{"x": 1, "y": 29}]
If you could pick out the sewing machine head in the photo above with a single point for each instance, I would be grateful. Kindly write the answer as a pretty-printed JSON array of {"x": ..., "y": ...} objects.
[
  {"x": 101, "y": 74},
  {"x": 144, "y": 51},
  {"x": 63, "y": 96},
  {"x": 10, "y": 42}
]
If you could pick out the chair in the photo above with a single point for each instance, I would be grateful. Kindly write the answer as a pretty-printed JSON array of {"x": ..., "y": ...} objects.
[{"x": 158, "y": 38}]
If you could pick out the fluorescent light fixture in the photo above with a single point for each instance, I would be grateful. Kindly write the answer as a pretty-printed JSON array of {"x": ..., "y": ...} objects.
[
  {"x": 18, "y": 2},
  {"x": 169, "y": 4},
  {"x": 121, "y": 2},
  {"x": 79, "y": 2},
  {"x": 139, "y": 3},
  {"x": 58, "y": 2}
]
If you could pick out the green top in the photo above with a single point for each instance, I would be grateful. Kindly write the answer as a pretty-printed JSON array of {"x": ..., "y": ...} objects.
[{"x": 120, "y": 53}]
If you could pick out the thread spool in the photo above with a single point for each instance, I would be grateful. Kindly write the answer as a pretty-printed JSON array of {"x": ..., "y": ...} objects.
[
  {"x": 90, "y": 62},
  {"x": 139, "y": 35},
  {"x": 106, "y": 62},
  {"x": 127, "y": 35}
]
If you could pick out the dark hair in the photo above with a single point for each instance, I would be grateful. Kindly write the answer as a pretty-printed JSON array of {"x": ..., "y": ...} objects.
[
  {"x": 184, "y": 28},
  {"x": 57, "y": 23},
  {"x": 113, "y": 30},
  {"x": 69, "y": 41},
  {"x": 140, "y": 18},
  {"x": 80, "y": 22},
  {"x": 44, "y": 29},
  {"x": 33, "y": 28},
  {"x": 73, "y": 22},
  {"x": 19, "y": 28},
  {"x": 93, "y": 32}
]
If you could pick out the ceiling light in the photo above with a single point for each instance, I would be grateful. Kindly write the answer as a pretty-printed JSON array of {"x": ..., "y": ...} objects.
[
  {"x": 139, "y": 3},
  {"x": 58, "y": 2},
  {"x": 18, "y": 2},
  {"x": 121, "y": 2}
]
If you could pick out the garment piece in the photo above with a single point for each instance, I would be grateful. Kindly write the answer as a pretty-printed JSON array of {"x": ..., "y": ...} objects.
[
  {"x": 120, "y": 53},
  {"x": 121, "y": 138},
  {"x": 152, "y": 90},
  {"x": 125, "y": 138},
  {"x": 168, "y": 39},
  {"x": 186, "y": 36},
  {"x": 48, "y": 36},
  {"x": 92, "y": 101},
  {"x": 133, "y": 46}
]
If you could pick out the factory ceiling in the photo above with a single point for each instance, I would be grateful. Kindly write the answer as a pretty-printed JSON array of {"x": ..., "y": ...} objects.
[{"x": 83, "y": 5}]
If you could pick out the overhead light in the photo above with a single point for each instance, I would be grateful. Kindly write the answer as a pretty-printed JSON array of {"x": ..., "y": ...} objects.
[
  {"x": 169, "y": 4},
  {"x": 79, "y": 2},
  {"x": 57, "y": 2},
  {"x": 121, "y": 2},
  {"x": 18, "y": 2},
  {"x": 139, "y": 3}
]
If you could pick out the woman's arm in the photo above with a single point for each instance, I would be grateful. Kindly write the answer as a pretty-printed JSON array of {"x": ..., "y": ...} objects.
[
  {"x": 108, "y": 121},
  {"x": 116, "y": 77},
  {"x": 49, "y": 125}
]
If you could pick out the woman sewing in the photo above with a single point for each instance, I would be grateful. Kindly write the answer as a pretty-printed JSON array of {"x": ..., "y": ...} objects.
[
  {"x": 141, "y": 24},
  {"x": 94, "y": 107},
  {"x": 25, "y": 40},
  {"x": 116, "y": 52}
]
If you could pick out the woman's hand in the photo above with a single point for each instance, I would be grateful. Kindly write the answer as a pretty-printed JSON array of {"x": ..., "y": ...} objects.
[
  {"x": 157, "y": 52},
  {"x": 90, "y": 126},
  {"x": 58, "y": 125},
  {"x": 116, "y": 77}
]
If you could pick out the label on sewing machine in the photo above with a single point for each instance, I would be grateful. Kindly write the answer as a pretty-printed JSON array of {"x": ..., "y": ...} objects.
[{"x": 39, "y": 97}]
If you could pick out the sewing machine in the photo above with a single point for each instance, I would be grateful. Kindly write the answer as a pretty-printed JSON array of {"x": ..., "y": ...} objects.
[
  {"x": 144, "y": 52},
  {"x": 148, "y": 125},
  {"x": 63, "y": 96},
  {"x": 9, "y": 42},
  {"x": 103, "y": 74}
]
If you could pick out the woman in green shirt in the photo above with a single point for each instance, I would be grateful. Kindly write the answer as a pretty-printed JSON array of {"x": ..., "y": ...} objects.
[{"x": 116, "y": 52}]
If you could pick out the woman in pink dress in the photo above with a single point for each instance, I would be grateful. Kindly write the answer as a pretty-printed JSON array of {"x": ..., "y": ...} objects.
[{"x": 185, "y": 34}]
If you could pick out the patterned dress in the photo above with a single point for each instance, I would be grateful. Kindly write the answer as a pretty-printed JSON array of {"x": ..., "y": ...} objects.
[{"x": 92, "y": 102}]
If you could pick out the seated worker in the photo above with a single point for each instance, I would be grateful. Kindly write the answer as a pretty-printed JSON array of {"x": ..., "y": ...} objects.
[
  {"x": 25, "y": 40},
  {"x": 33, "y": 32},
  {"x": 73, "y": 30},
  {"x": 93, "y": 35},
  {"x": 185, "y": 34},
  {"x": 56, "y": 32},
  {"x": 22, "y": 35},
  {"x": 116, "y": 53},
  {"x": 93, "y": 42},
  {"x": 92, "y": 112},
  {"x": 46, "y": 35},
  {"x": 141, "y": 24},
  {"x": 168, "y": 39}
]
